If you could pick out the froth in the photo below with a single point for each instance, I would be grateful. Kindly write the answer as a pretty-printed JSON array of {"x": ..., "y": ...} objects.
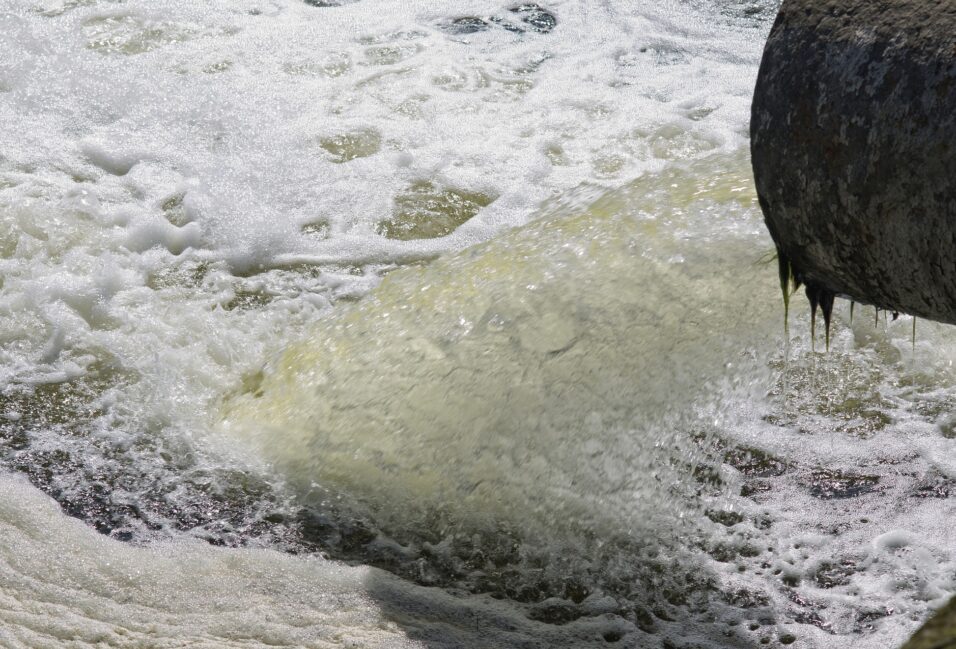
[{"x": 537, "y": 383}]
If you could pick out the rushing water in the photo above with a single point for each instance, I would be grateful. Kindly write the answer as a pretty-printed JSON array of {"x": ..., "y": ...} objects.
[{"x": 433, "y": 324}]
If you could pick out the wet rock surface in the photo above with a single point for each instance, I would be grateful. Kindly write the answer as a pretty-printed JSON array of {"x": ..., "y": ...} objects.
[
  {"x": 852, "y": 134},
  {"x": 425, "y": 211},
  {"x": 522, "y": 18},
  {"x": 829, "y": 484}
]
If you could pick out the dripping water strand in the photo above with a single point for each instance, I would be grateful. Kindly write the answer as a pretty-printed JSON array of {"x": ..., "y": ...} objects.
[{"x": 788, "y": 286}]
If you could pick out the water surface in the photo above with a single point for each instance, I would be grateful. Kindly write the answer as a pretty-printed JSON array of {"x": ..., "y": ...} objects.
[{"x": 433, "y": 324}]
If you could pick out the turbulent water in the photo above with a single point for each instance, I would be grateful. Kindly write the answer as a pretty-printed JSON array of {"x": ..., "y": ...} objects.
[{"x": 433, "y": 324}]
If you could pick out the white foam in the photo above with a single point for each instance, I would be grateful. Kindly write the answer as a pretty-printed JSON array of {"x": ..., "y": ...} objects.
[
  {"x": 240, "y": 103},
  {"x": 64, "y": 584},
  {"x": 478, "y": 387}
]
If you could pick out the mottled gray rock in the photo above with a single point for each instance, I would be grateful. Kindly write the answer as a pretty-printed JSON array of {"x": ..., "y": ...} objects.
[{"x": 853, "y": 136}]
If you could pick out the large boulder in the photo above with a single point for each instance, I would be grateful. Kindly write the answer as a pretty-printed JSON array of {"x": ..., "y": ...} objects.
[{"x": 853, "y": 137}]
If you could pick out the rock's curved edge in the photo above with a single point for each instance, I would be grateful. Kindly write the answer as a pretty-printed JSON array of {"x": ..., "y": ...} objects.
[{"x": 938, "y": 633}]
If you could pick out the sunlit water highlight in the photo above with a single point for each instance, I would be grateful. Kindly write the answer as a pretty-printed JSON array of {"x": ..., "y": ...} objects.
[{"x": 581, "y": 432}]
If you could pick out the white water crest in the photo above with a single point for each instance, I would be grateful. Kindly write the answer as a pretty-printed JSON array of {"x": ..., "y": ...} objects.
[
  {"x": 433, "y": 324},
  {"x": 537, "y": 380}
]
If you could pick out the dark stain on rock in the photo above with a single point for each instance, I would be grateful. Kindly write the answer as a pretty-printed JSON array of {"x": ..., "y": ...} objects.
[
  {"x": 467, "y": 25},
  {"x": 934, "y": 485},
  {"x": 831, "y": 575},
  {"x": 519, "y": 19},
  {"x": 828, "y": 484},
  {"x": 755, "y": 463},
  {"x": 535, "y": 17},
  {"x": 727, "y": 519}
]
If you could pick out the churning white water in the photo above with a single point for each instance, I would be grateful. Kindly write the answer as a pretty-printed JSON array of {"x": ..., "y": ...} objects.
[{"x": 433, "y": 324}]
